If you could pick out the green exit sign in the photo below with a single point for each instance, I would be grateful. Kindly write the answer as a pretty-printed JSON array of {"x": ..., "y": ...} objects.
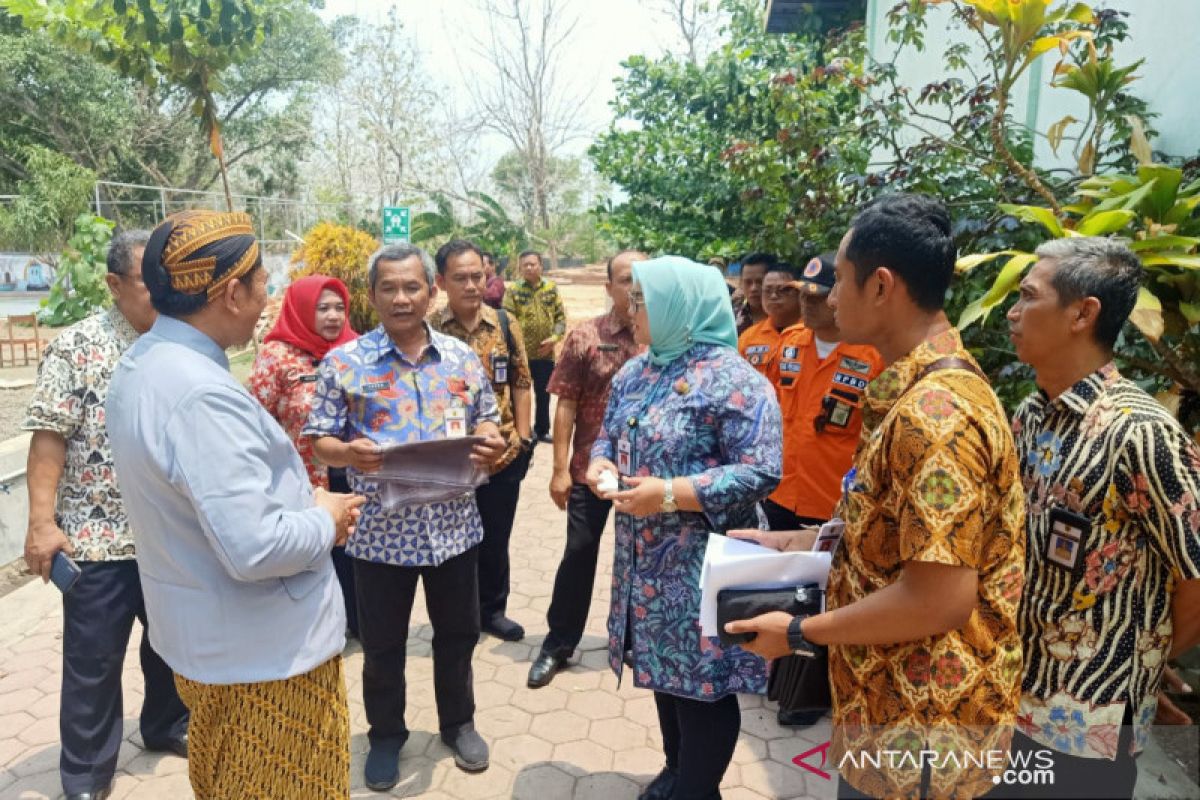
[{"x": 395, "y": 224}]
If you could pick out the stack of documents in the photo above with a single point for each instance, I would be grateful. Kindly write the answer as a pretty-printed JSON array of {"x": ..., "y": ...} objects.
[
  {"x": 737, "y": 564},
  {"x": 427, "y": 471}
]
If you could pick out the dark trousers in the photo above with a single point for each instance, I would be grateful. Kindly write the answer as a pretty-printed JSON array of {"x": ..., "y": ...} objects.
[
  {"x": 497, "y": 501},
  {"x": 567, "y": 616},
  {"x": 1076, "y": 777},
  {"x": 541, "y": 369},
  {"x": 698, "y": 740},
  {"x": 385, "y": 600},
  {"x": 783, "y": 519},
  {"x": 343, "y": 565},
  {"x": 98, "y": 616}
]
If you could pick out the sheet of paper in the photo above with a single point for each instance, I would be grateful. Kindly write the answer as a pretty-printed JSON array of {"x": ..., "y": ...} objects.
[{"x": 738, "y": 564}]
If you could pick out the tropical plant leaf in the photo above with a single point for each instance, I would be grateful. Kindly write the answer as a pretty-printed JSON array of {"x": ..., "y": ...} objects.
[
  {"x": 968, "y": 263},
  {"x": 1139, "y": 145},
  {"x": 1042, "y": 216},
  {"x": 1170, "y": 258},
  {"x": 1165, "y": 242},
  {"x": 1008, "y": 279},
  {"x": 1055, "y": 133},
  {"x": 1102, "y": 223},
  {"x": 1147, "y": 315}
]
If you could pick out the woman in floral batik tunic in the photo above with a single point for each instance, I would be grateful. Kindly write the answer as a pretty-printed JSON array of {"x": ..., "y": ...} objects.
[{"x": 695, "y": 434}]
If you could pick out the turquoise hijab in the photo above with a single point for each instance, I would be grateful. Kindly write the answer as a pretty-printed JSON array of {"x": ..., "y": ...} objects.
[{"x": 687, "y": 303}]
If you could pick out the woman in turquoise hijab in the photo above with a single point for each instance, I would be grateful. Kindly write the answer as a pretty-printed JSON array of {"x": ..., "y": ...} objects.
[{"x": 694, "y": 432}]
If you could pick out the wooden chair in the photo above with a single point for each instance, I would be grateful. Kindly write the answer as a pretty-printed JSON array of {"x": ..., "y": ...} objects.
[{"x": 21, "y": 347}]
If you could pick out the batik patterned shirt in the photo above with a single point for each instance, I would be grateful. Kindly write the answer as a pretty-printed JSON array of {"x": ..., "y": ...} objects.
[
  {"x": 72, "y": 385},
  {"x": 710, "y": 417},
  {"x": 936, "y": 480},
  {"x": 488, "y": 342},
  {"x": 1113, "y": 484},
  {"x": 591, "y": 356},
  {"x": 540, "y": 311},
  {"x": 369, "y": 389},
  {"x": 283, "y": 379}
]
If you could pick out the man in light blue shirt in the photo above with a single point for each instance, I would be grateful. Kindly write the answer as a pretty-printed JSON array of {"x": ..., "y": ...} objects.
[
  {"x": 233, "y": 543},
  {"x": 404, "y": 382}
]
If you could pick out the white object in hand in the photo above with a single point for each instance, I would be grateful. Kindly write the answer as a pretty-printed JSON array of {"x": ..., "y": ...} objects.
[{"x": 608, "y": 482}]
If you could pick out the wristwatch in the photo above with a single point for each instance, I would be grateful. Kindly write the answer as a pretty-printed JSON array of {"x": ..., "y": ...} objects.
[
  {"x": 796, "y": 641},
  {"x": 668, "y": 503},
  {"x": 527, "y": 443}
]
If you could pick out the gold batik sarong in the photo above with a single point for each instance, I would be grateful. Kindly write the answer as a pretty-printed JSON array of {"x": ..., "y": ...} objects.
[{"x": 275, "y": 740}]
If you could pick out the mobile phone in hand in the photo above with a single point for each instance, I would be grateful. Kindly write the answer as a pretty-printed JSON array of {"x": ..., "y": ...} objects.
[{"x": 64, "y": 572}]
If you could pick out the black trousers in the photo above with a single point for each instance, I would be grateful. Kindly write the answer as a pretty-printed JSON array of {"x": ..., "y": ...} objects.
[
  {"x": 1076, "y": 777},
  {"x": 541, "y": 369},
  {"x": 698, "y": 740},
  {"x": 783, "y": 519},
  {"x": 343, "y": 565},
  {"x": 497, "y": 501},
  {"x": 568, "y": 612},
  {"x": 98, "y": 615},
  {"x": 385, "y": 600}
]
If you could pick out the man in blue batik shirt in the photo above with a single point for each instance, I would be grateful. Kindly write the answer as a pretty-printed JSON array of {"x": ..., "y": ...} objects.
[{"x": 404, "y": 382}]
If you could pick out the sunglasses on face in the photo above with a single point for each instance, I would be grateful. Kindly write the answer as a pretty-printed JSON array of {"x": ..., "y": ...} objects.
[{"x": 779, "y": 291}]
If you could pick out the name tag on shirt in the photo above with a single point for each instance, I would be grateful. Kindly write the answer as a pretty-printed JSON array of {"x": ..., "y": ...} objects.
[
  {"x": 624, "y": 457},
  {"x": 789, "y": 352},
  {"x": 607, "y": 348},
  {"x": 456, "y": 421},
  {"x": 1067, "y": 532},
  {"x": 375, "y": 386},
  {"x": 500, "y": 369},
  {"x": 307, "y": 379}
]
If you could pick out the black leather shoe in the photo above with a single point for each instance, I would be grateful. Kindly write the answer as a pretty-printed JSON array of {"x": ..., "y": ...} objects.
[
  {"x": 177, "y": 746},
  {"x": 382, "y": 770},
  {"x": 661, "y": 788},
  {"x": 99, "y": 794},
  {"x": 504, "y": 628},
  {"x": 543, "y": 669}
]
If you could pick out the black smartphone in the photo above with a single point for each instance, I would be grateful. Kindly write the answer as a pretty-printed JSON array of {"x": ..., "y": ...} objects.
[{"x": 64, "y": 572}]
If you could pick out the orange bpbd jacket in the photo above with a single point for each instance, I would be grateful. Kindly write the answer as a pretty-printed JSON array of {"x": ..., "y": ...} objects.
[
  {"x": 759, "y": 344},
  {"x": 819, "y": 393}
]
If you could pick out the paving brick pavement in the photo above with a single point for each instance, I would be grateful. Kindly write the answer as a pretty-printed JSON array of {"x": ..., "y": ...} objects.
[{"x": 581, "y": 737}]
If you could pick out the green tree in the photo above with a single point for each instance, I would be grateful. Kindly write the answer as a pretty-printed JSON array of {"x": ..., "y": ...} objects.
[
  {"x": 53, "y": 194},
  {"x": 182, "y": 43},
  {"x": 700, "y": 149}
]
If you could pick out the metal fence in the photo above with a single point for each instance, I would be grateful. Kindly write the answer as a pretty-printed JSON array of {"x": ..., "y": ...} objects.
[{"x": 280, "y": 222}]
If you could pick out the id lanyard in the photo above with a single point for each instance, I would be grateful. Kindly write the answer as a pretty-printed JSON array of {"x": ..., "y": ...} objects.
[{"x": 627, "y": 444}]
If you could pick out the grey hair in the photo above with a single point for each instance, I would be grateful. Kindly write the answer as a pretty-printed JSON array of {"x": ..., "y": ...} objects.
[
  {"x": 1099, "y": 267},
  {"x": 399, "y": 252},
  {"x": 120, "y": 250}
]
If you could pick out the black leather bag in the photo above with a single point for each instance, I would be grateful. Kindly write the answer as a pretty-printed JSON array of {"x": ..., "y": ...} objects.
[{"x": 797, "y": 683}]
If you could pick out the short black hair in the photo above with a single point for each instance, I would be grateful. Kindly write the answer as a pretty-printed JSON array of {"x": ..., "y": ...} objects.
[
  {"x": 453, "y": 249},
  {"x": 910, "y": 235},
  {"x": 767, "y": 259},
  {"x": 785, "y": 268},
  {"x": 617, "y": 255},
  {"x": 1094, "y": 266},
  {"x": 120, "y": 250},
  {"x": 529, "y": 253}
]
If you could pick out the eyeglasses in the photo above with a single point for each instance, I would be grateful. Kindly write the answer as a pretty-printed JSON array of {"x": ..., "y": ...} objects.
[{"x": 779, "y": 291}]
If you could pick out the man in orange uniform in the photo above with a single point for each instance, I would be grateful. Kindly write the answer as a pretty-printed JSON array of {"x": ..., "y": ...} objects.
[
  {"x": 759, "y": 344},
  {"x": 820, "y": 381}
]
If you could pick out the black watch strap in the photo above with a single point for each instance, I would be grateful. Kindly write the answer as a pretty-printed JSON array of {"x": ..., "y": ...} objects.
[{"x": 796, "y": 641}]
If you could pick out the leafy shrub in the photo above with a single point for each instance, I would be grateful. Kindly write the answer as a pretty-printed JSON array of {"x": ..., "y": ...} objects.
[
  {"x": 340, "y": 251},
  {"x": 79, "y": 288}
]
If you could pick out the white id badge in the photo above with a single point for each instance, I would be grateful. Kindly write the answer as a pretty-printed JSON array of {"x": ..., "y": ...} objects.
[
  {"x": 624, "y": 457},
  {"x": 499, "y": 369},
  {"x": 456, "y": 421}
]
